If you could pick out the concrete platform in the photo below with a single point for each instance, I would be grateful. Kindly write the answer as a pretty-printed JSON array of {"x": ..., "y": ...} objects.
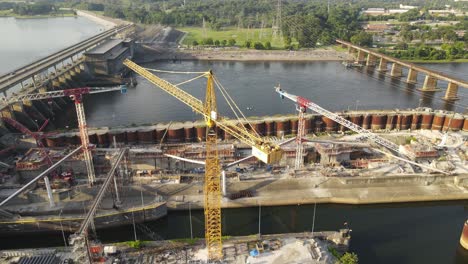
[{"x": 329, "y": 190}]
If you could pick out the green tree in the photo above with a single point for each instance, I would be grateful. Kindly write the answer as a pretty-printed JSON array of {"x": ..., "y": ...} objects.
[
  {"x": 217, "y": 43},
  {"x": 287, "y": 42},
  {"x": 207, "y": 41},
  {"x": 248, "y": 43},
  {"x": 231, "y": 42},
  {"x": 194, "y": 43},
  {"x": 401, "y": 46},
  {"x": 224, "y": 43},
  {"x": 326, "y": 38},
  {"x": 258, "y": 46},
  {"x": 349, "y": 258},
  {"x": 423, "y": 52},
  {"x": 268, "y": 45},
  {"x": 410, "y": 15},
  {"x": 362, "y": 39},
  {"x": 406, "y": 35},
  {"x": 438, "y": 55}
]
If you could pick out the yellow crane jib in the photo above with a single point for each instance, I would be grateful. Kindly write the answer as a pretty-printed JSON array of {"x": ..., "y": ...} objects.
[{"x": 265, "y": 151}]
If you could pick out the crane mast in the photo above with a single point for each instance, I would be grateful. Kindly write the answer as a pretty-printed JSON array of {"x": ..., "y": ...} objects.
[
  {"x": 87, "y": 155},
  {"x": 76, "y": 95},
  {"x": 212, "y": 187},
  {"x": 299, "y": 161},
  {"x": 263, "y": 150}
]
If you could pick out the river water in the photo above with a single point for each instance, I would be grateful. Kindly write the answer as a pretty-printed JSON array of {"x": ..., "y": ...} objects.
[
  {"x": 251, "y": 84},
  {"x": 400, "y": 233},
  {"x": 26, "y": 40}
]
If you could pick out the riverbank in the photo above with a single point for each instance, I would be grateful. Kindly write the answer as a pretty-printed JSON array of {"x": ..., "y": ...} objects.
[
  {"x": 107, "y": 22},
  {"x": 322, "y": 54}
]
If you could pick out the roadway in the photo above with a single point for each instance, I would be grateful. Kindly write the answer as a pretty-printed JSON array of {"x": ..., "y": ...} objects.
[{"x": 16, "y": 76}]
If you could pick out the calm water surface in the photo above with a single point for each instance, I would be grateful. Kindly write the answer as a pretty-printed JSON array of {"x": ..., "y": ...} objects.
[
  {"x": 251, "y": 85},
  {"x": 26, "y": 40}
]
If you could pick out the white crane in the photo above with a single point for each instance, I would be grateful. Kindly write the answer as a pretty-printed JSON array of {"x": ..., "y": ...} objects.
[{"x": 306, "y": 103}]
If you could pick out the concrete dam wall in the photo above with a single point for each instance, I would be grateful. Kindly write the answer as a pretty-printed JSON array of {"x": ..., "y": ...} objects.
[{"x": 277, "y": 126}]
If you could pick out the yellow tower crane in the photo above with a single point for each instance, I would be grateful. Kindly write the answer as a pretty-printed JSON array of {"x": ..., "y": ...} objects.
[{"x": 263, "y": 150}]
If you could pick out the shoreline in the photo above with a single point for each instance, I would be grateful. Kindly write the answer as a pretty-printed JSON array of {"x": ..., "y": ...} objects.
[
  {"x": 102, "y": 20},
  {"x": 261, "y": 55},
  {"x": 246, "y": 55}
]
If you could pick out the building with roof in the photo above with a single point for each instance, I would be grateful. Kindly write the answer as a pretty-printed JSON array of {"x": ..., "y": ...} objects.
[
  {"x": 376, "y": 28},
  {"x": 407, "y": 6},
  {"x": 106, "y": 58}
]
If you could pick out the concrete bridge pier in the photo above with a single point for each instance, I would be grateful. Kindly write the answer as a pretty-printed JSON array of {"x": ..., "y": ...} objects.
[
  {"x": 78, "y": 69},
  {"x": 452, "y": 92},
  {"x": 370, "y": 60},
  {"x": 8, "y": 112},
  {"x": 430, "y": 84},
  {"x": 382, "y": 65},
  {"x": 22, "y": 116},
  {"x": 361, "y": 56},
  {"x": 396, "y": 71},
  {"x": 68, "y": 76},
  {"x": 33, "y": 112},
  {"x": 62, "y": 80},
  {"x": 44, "y": 108},
  {"x": 57, "y": 102},
  {"x": 412, "y": 76}
]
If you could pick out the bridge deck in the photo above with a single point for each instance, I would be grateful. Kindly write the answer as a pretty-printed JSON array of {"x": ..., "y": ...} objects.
[
  {"x": 436, "y": 74},
  {"x": 14, "y": 77}
]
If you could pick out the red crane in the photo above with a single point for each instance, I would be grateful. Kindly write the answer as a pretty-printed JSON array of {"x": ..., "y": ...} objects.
[
  {"x": 38, "y": 136},
  {"x": 76, "y": 95}
]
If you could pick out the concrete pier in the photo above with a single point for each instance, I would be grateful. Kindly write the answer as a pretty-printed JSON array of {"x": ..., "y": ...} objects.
[
  {"x": 430, "y": 84},
  {"x": 396, "y": 71},
  {"x": 382, "y": 65},
  {"x": 431, "y": 76},
  {"x": 361, "y": 56},
  {"x": 451, "y": 93},
  {"x": 370, "y": 60},
  {"x": 412, "y": 76}
]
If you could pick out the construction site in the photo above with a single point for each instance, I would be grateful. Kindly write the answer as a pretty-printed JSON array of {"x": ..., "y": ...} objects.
[{"x": 76, "y": 181}]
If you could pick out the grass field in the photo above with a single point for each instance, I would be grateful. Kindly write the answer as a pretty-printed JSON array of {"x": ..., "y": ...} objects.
[{"x": 239, "y": 34}]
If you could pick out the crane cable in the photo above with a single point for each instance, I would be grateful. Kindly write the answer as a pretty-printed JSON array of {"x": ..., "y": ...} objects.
[
  {"x": 228, "y": 98},
  {"x": 176, "y": 72},
  {"x": 224, "y": 92},
  {"x": 193, "y": 79}
]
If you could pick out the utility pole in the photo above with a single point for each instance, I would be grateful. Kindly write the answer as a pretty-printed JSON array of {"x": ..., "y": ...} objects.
[
  {"x": 277, "y": 32},
  {"x": 204, "y": 28}
]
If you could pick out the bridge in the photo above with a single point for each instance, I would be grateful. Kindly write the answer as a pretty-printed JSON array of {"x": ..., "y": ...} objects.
[
  {"x": 18, "y": 76},
  {"x": 372, "y": 58}
]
